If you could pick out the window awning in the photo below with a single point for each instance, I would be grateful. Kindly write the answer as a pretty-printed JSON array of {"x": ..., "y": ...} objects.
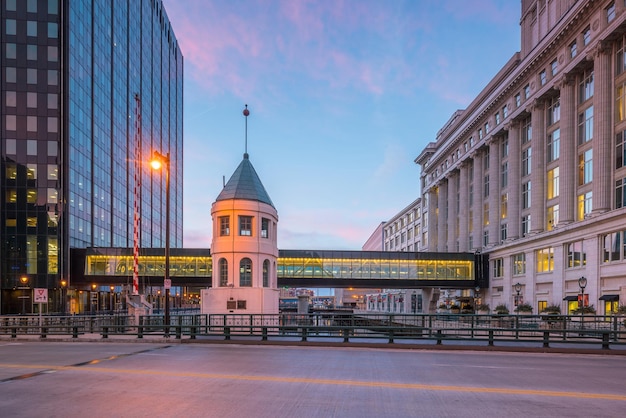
[
  {"x": 610, "y": 298},
  {"x": 570, "y": 298}
]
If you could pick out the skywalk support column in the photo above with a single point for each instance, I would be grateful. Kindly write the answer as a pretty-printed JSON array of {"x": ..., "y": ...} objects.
[
  {"x": 602, "y": 139},
  {"x": 538, "y": 175},
  {"x": 432, "y": 218},
  {"x": 567, "y": 151}
]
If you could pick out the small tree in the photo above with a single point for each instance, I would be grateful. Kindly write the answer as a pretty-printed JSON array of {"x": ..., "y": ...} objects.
[{"x": 621, "y": 310}]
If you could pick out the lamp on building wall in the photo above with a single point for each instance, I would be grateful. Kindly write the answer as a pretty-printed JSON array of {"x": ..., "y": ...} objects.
[{"x": 159, "y": 161}]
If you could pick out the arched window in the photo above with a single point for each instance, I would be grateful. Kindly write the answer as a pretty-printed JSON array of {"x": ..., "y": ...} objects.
[
  {"x": 266, "y": 273},
  {"x": 245, "y": 272},
  {"x": 223, "y": 269}
]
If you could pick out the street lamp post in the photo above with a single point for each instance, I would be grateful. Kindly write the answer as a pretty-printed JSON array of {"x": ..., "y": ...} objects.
[
  {"x": 63, "y": 297},
  {"x": 476, "y": 297},
  {"x": 518, "y": 289},
  {"x": 158, "y": 161},
  {"x": 24, "y": 282},
  {"x": 582, "y": 283}
]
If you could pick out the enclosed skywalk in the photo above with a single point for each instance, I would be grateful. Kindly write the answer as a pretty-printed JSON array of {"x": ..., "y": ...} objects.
[{"x": 295, "y": 268}]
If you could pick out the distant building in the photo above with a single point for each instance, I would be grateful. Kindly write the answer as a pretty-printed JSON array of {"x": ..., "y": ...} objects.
[
  {"x": 403, "y": 231},
  {"x": 533, "y": 171},
  {"x": 70, "y": 74}
]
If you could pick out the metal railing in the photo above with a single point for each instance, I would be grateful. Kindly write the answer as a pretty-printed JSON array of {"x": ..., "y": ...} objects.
[{"x": 341, "y": 326}]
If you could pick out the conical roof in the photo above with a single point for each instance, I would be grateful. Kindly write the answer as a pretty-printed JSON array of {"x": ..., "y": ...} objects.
[{"x": 245, "y": 184}]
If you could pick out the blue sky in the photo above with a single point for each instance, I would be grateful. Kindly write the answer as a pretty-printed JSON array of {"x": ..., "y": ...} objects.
[{"x": 343, "y": 96}]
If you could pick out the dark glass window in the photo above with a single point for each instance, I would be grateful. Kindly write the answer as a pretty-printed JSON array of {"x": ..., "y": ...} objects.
[{"x": 245, "y": 272}]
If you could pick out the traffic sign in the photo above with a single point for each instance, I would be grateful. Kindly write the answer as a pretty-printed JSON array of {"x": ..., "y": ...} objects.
[{"x": 41, "y": 295}]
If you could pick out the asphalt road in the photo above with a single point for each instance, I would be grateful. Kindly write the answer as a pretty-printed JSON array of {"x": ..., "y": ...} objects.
[{"x": 79, "y": 379}]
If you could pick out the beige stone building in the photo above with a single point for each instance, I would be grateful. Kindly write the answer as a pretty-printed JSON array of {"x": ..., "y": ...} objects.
[{"x": 533, "y": 171}]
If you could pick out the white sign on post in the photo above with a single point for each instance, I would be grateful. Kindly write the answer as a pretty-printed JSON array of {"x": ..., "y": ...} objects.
[
  {"x": 41, "y": 295},
  {"x": 167, "y": 283}
]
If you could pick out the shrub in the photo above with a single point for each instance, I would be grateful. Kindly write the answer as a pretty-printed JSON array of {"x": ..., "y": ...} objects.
[
  {"x": 621, "y": 309},
  {"x": 524, "y": 307},
  {"x": 552, "y": 309},
  {"x": 501, "y": 309},
  {"x": 483, "y": 307},
  {"x": 585, "y": 310}
]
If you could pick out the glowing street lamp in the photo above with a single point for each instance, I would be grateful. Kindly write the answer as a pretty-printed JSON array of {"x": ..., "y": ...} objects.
[{"x": 158, "y": 162}]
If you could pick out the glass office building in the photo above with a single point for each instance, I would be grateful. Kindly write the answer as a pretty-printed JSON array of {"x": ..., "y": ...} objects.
[{"x": 90, "y": 89}]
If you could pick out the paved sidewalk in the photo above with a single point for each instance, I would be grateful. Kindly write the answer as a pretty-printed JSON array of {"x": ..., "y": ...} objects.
[{"x": 586, "y": 347}]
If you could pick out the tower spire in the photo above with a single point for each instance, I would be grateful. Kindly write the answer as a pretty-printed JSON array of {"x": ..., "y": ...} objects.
[{"x": 246, "y": 112}]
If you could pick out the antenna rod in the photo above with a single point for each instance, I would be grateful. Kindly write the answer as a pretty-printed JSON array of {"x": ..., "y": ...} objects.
[{"x": 246, "y": 112}]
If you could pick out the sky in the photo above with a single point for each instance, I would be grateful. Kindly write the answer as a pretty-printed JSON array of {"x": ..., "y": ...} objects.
[{"x": 343, "y": 96}]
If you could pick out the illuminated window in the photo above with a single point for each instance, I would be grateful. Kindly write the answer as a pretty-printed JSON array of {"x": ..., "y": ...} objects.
[
  {"x": 585, "y": 167},
  {"x": 553, "y": 183},
  {"x": 585, "y": 203},
  {"x": 545, "y": 260}
]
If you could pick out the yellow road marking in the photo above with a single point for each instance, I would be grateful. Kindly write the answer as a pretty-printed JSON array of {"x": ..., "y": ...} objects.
[{"x": 359, "y": 383}]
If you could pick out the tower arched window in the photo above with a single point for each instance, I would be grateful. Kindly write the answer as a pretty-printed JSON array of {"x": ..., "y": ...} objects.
[
  {"x": 266, "y": 273},
  {"x": 223, "y": 269},
  {"x": 245, "y": 272}
]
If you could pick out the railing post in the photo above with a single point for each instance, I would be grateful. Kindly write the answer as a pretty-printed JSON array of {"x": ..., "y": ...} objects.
[
  {"x": 546, "y": 339},
  {"x": 13, "y": 332},
  {"x": 491, "y": 337},
  {"x": 264, "y": 333},
  {"x": 75, "y": 331},
  {"x": 390, "y": 335},
  {"x": 44, "y": 331},
  {"x": 346, "y": 335},
  {"x": 179, "y": 331},
  {"x": 140, "y": 328},
  {"x": 605, "y": 339},
  {"x": 105, "y": 331},
  {"x": 226, "y": 333},
  {"x": 192, "y": 332},
  {"x": 439, "y": 336},
  {"x": 304, "y": 333}
]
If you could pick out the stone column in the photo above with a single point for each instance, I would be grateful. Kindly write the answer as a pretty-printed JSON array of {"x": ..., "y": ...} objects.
[
  {"x": 464, "y": 207},
  {"x": 442, "y": 199},
  {"x": 453, "y": 215},
  {"x": 602, "y": 123},
  {"x": 567, "y": 151},
  {"x": 494, "y": 191},
  {"x": 432, "y": 219},
  {"x": 538, "y": 175},
  {"x": 514, "y": 188},
  {"x": 477, "y": 207}
]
